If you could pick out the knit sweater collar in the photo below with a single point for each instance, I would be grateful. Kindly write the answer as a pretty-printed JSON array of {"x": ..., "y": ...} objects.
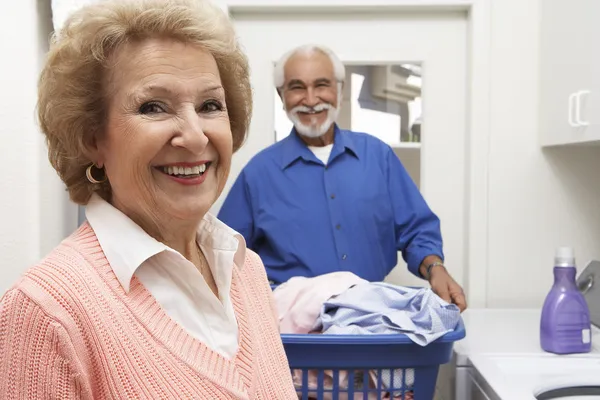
[{"x": 139, "y": 305}]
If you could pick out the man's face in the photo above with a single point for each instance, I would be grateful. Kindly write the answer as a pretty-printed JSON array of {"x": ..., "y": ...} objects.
[{"x": 311, "y": 95}]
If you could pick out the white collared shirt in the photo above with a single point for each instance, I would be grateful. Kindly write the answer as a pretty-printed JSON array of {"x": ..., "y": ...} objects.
[{"x": 175, "y": 282}]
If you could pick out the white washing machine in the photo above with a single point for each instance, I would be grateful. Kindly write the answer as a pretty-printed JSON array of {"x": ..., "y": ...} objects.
[
  {"x": 501, "y": 357},
  {"x": 529, "y": 377}
]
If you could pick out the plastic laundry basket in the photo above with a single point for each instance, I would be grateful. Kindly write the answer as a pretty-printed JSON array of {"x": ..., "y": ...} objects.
[{"x": 340, "y": 367}]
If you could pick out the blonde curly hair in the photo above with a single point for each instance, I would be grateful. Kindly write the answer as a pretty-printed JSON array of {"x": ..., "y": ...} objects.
[{"x": 72, "y": 89}]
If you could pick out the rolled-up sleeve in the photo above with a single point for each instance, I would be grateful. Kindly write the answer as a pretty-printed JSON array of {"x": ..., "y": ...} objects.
[{"x": 417, "y": 228}]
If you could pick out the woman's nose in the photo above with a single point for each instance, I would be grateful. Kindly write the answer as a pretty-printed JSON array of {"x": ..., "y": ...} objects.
[{"x": 191, "y": 133}]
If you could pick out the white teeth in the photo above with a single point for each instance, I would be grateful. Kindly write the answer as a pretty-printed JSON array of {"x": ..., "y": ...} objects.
[{"x": 196, "y": 170}]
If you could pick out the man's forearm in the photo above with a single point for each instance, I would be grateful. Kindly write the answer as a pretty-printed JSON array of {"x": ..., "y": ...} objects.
[{"x": 426, "y": 262}]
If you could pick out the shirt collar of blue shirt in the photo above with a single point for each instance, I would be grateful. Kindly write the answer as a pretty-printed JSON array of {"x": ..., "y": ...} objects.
[{"x": 294, "y": 148}]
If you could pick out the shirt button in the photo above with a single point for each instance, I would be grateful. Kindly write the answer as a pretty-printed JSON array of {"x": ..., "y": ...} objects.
[
  {"x": 344, "y": 256},
  {"x": 332, "y": 195},
  {"x": 338, "y": 227}
]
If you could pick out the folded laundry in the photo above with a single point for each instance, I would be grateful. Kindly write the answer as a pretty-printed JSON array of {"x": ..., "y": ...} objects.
[
  {"x": 299, "y": 300},
  {"x": 382, "y": 308}
]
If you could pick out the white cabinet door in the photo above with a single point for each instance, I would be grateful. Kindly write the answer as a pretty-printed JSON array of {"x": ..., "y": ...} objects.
[
  {"x": 569, "y": 72},
  {"x": 474, "y": 388},
  {"x": 437, "y": 42}
]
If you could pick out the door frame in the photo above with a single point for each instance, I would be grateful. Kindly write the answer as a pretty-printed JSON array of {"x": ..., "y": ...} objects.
[{"x": 478, "y": 106}]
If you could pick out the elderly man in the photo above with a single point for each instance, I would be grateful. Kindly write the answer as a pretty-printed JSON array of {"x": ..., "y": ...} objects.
[{"x": 326, "y": 199}]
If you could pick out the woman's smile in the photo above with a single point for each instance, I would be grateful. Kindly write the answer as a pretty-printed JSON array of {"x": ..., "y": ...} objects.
[{"x": 186, "y": 173}]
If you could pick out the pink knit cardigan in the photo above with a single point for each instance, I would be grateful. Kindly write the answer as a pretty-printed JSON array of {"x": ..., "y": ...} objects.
[{"x": 69, "y": 331}]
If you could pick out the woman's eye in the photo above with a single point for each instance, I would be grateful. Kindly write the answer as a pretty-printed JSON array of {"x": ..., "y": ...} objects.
[
  {"x": 151, "y": 108},
  {"x": 211, "y": 106}
]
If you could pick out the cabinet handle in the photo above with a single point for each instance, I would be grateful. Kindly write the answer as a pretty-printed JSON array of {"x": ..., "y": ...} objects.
[
  {"x": 570, "y": 110},
  {"x": 578, "y": 108}
]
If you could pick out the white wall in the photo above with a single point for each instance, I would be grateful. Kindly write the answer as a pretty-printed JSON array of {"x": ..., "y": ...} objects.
[
  {"x": 537, "y": 200},
  {"x": 33, "y": 210}
]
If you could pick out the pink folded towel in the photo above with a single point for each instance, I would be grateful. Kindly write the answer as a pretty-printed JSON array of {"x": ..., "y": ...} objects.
[{"x": 299, "y": 300}]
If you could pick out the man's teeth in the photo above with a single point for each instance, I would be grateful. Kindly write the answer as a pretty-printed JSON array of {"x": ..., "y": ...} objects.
[{"x": 197, "y": 170}]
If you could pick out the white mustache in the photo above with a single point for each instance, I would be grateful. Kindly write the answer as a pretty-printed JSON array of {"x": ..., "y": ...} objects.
[{"x": 318, "y": 108}]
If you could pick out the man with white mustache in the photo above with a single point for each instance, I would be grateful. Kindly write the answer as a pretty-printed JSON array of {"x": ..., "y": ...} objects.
[
  {"x": 314, "y": 130},
  {"x": 326, "y": 199}
]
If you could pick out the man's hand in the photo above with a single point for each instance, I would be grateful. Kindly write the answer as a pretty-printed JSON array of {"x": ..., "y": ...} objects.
[
  {"x": 446, "y": 287},
  {"x": 443, "y": 284}
]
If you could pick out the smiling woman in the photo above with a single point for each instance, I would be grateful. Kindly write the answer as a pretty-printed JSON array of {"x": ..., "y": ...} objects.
[
  {"x": 167, "y": 114},
  {"x": 142, "y": 103}
]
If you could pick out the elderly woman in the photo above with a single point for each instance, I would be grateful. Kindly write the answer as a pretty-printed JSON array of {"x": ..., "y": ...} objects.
[{"x": 142, "y": 104}]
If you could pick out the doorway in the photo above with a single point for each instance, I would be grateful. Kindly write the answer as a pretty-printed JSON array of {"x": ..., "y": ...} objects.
[{"x": 397, "y": 50}]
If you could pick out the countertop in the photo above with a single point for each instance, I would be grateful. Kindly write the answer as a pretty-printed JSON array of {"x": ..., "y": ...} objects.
[{"x": 503, "y": 347}]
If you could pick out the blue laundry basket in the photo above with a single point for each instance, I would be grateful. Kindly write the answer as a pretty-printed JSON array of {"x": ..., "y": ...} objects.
[{"x": 340, "y": 367}]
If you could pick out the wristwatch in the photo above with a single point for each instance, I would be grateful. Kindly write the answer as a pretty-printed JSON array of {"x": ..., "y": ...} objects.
[{"x": 430, "y": 266}]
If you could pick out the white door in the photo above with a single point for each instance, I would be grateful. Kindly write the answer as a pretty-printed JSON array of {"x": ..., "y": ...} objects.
[{"x": 435, "y": 41}]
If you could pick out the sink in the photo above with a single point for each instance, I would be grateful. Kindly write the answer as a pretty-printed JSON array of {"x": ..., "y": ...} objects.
[{"x": 571, "y": 393}]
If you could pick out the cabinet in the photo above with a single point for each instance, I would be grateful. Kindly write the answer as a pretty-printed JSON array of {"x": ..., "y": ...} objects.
[
  {"x": 470, "y": 385},
  {"x": 569, "y": 83}
]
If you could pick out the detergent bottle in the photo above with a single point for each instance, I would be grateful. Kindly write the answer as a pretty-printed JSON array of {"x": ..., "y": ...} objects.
[{"x": 565, "y": 325}]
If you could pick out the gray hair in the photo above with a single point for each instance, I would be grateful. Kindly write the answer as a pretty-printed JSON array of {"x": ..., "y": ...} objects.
[{"x": 308, "y": 49}]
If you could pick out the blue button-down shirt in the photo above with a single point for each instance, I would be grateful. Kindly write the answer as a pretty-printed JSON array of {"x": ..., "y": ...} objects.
[{"x": 305, "y": 218}]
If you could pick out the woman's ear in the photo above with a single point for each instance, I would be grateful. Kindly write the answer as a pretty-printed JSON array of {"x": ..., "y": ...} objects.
[{"x": 92, "y": 149}]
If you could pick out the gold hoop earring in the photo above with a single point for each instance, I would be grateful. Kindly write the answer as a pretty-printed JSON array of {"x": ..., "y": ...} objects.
[{"x": 90, "y": 177}]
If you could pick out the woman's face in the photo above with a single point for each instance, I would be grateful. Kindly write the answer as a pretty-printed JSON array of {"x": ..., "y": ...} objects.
[{"x": 167, "y": 145}]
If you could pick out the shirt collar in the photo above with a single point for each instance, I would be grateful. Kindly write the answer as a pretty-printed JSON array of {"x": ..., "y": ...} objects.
[
  {"x": 294, "y": 148},
  {"x": 127, "y": 246}
]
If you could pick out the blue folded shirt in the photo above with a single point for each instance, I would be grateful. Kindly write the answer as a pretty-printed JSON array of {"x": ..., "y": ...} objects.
[{"x": 382, "y": 308}]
